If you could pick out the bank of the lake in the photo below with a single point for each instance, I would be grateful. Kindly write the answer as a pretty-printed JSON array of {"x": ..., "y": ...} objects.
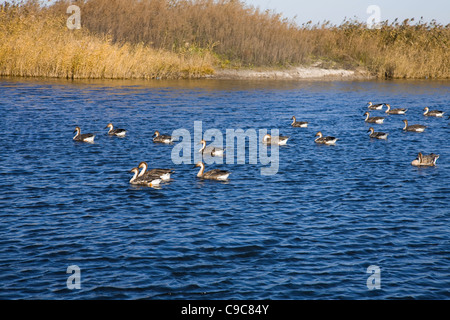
[
  {"x": 210, "y": 39},
  {"x": 293, "y": 73}
]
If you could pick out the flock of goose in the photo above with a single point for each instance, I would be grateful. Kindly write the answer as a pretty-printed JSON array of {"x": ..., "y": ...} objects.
[
  {"x": 421, "y": 160},
  {"x": 153, "y": 177}
]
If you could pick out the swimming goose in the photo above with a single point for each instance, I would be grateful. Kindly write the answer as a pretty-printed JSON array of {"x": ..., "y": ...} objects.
[
  {"x": 425, "y": 160},
  {"x": 279, "y": 140},
  {"x": 150, "y": 180},
  {"x": 377, "y": 135},
  {"x": 86, "y": 137},
  {"x": 395, "y": 111},
  {"x": 213, "y": 151},
  {"x": 433, "y": 113},
  {"x": 215, "y": 174},
  {"x": 115, "y": 132},
  {"x": 325, "y": 140},
  {"x": 162, "y": 138},
  {"x": 164, "y": 174},
  {"x": 414, "y": 127},
  {"x": 375, "y": 106},
  {"x": 299, "y": 124},
  {"x": 378, "y": 120}
]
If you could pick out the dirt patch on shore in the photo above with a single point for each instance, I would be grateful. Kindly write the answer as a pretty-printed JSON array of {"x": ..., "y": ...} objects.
[{"x": 297, "y": 73}]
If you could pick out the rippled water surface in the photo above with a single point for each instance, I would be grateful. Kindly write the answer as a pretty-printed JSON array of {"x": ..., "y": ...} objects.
[{"x": 308, "y": 232}]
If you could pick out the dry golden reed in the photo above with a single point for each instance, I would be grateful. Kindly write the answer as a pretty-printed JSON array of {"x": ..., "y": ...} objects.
[
  {"x": 395, "y": 50},
  {"x": 244, "y": 36},
  {"x": 189, "y": 38},
  {"x": 35, "y": 42}
]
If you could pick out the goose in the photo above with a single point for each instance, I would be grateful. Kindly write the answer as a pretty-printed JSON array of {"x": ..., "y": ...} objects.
[
  {"x": 378, "y": 120},
  {"x": 325, "y": 140},
  {"x": 213, "y": 151},
  {"x": 299, "y": 124},
  {"x": 162, "y": 138},
  {"x": 425, "y": 160},
  {"x": 215, "y": 174},
  {"x": 115, "y": 132},
  {"x": 395, "y": 111},
  {"x": 414, "y": 127},
  {"x": 433, "y": 113},
  {"x": 164, "y": 174},
  {"x": 377, "y": 135},
  {"x": 279, "y": 140},
  {"x": 150, "y": 180},
  {"x": 375, "y": 106},
  {"x": 86, "y": 137}
]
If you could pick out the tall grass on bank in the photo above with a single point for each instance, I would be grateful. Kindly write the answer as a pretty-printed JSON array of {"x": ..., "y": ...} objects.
[
  {"x": 247, "y": 36},
  {"x": 189, "y": 38},
  {"x": 395, "y": 50},
  {"x": 35, "y": 42},
  {"x": 237, "y": 32}
]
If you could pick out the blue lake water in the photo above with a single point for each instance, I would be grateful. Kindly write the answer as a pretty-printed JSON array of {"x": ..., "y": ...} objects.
[{"x": 308, "y": 232}]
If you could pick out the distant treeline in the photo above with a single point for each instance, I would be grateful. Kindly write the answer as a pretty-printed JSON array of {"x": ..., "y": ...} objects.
[{"x": 229, "y": 33}]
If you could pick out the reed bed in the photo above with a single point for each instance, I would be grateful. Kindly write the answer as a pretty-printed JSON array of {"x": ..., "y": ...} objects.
[
  {"x": 37, "y": 43},
  {"x": 191, "y": 38},
  {"x": 244, "y": 36},
  {"x": 395, "y": 50}
]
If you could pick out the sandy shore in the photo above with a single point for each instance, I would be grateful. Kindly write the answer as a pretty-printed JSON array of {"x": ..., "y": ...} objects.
[{"x": 297, "y": 73}]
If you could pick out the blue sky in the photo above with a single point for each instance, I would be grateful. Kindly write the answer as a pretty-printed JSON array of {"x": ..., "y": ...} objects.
[{"x": 336, "y": 11}]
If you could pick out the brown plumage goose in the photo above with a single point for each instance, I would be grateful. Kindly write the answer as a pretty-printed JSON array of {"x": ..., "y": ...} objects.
[{"x": 215, "y": 174}]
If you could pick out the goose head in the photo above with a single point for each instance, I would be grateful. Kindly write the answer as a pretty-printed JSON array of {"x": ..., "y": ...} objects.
[
  {"x": 77, "y": 130},
  {"x": 199, "y": 164},
  {"x": 293, "y": 120},
  {"x": 319, "y": 134},
  {"x": 203, "y": 143},
  {"x": 143, "y": 165},
  {"x": 420, "y": 156},
  {"x": 156, "y": 133},
  {"x": 110, "y": 125},
  {"x": 405, "y": 122},
  {"x": 202, "y": 168},
  {"x": 266, "y": 138},
  {"x": 135, "y": 172},
  {"x": 370, "y": 130}
]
